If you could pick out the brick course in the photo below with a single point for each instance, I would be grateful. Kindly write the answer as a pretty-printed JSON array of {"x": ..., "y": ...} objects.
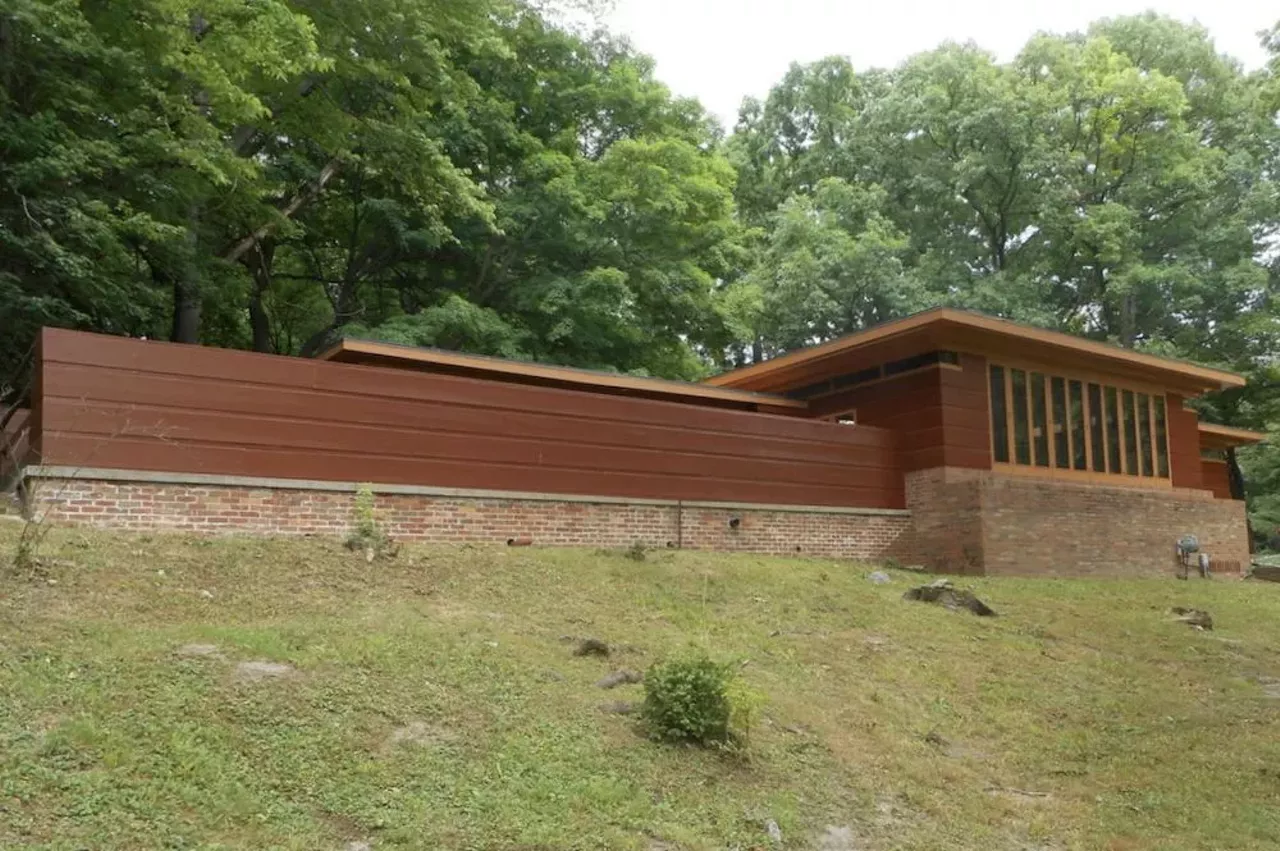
[{"x": 447, "y": 519}]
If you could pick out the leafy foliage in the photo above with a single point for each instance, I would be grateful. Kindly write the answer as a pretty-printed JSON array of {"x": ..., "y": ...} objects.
[{"x": 693, "y": 698}]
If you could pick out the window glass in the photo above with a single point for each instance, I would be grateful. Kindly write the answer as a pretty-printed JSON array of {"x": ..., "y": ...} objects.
[
  {"x": 1144, "y": 435},
  {"x": 1039, "y": 429},
  {"x": 1097, "y": 441},
  {"x": 999, "y": 417},
  {"x": 1021, "y": 422},
  {"x": 1130, "y": 433},
  {"x": 1162, "y": 440},
  {"x": 1113, "y": 432},
  {"x": 1061, "y": 423},
  {"x": 1075, "y": 410}
]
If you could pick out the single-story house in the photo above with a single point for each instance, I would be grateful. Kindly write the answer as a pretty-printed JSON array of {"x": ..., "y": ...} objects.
[{"x": 949, "y": 439}]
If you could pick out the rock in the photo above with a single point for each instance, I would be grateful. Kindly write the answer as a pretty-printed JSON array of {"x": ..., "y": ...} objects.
[
  {"x": 206, "y": 593},
  {"x": 359, "y": 845},
  {"x": 258, "y": 671},
  {"x": 942, "y": 592},
  {"x": 199, "y": 650},
  {"x": 879, "y": 577},
  {"x": 618, "y": 678},
  {"x": 1198, "y": 618},
  {"x": 933, "y": 737},
  {"x": 775, "y": 832},
  {"x": 591, "y": 647},
  {"x": 836, "y": 839},
  {"x": 619, "y": 707}
]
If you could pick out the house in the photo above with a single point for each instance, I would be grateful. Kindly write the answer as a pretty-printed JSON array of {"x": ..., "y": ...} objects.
[{"x": 949, "y": 439}]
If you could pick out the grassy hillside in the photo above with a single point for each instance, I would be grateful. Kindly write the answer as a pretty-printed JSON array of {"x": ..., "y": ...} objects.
[{"x": 432, "y": 702}]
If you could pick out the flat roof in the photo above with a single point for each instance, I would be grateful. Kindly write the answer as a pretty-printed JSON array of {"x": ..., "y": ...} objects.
[
  {"x": 975, "y": 331},
  {"x": 512, "y": 371},
  {"x": 1213, "y": 436}
]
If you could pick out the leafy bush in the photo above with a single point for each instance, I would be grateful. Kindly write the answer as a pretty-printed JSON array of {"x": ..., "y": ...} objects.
[
  {"x": 695, "y": 699},
  {"x": 366, "y": 535}
]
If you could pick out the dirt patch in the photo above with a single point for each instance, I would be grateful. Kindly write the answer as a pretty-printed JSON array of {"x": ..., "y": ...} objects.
[
  {"x": 199, "y": 651},
  {"x": 254, "y": 672},
  {"x": 421, "y": 734},
  {"x": 620, "y": 678}
]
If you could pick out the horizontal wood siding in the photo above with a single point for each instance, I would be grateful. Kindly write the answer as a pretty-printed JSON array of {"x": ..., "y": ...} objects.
[
  {"x": 939, "y": 413},
  {"x": 1184, "y": 446},
  {"x": 1214, "y": 477},
  {"x": 125, "y": 404}
]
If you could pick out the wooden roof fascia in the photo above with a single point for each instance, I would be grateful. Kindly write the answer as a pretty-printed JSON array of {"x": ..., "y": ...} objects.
[
  {"x": 351, "y": 351},
  {"x": 945, "y": 320},
  {"x": 1224, "y": 436}
]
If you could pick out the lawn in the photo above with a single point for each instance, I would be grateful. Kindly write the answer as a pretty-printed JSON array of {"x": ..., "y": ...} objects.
[{"x": 433, "y": 701}]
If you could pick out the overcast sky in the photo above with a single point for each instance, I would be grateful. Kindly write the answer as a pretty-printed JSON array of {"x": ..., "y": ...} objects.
[{"x": 723, "y": 50}]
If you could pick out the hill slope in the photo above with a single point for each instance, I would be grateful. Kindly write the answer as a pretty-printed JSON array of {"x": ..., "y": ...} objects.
[{"x": 431, "y": 702}]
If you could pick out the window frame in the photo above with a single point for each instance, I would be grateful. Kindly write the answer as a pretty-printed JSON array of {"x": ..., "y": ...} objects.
[{"x": 1118, "y": 386}]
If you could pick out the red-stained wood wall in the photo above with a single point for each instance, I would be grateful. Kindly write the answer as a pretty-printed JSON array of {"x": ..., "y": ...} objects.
[
  {"x": 1214, "y": 477},
  {"x": 939, "y": 412},
  {"x": 1184, "y": 445},
  {"x": 109, "y": 402}
]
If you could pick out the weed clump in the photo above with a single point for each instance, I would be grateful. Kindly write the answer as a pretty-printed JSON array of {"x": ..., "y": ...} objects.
[
  {"x": 695, "y": 699},
  {"x": 367, "y": 536}
]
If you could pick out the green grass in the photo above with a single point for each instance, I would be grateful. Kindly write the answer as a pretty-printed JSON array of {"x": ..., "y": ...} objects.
[{"x": 1131, "y": 731}]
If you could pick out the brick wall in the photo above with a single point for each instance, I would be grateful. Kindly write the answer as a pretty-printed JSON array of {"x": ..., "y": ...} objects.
[
  {"x": 961, "y": 521},
  {"x": 946, "y": 507},
  {"x": 1027, "y": 526},
  {"x": 221, "y": 509}
]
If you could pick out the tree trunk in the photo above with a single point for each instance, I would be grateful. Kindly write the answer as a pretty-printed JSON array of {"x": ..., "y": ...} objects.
[
  {"x": 259, "y": 263},
  {"x": 186, "y": 287},
  {"x": 1236, "y": 478}
]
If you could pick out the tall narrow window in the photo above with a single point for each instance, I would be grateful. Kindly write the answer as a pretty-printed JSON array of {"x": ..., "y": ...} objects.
[
  {"x": 1162, "y": 440},
  {"x": 1021, "y": 422},
  {"x": 1039, "y": 428},
  {"x": 1098, "y": 443},
  {"x": 1061, "y": 423},
  {"x": 1130, "y": 433},
  {"x": 1113, "y": 432},
  {"x": 1075, "y": 405},
  {"x": 999, "y": 417},
  {"x": 1144, "y": 435}
]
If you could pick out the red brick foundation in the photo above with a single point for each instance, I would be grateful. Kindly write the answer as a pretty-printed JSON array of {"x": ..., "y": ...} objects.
[
  {"x": 959, "y": 521},
  {"x": 971, "y": 521},
  {"x": 423, "y": 516}
]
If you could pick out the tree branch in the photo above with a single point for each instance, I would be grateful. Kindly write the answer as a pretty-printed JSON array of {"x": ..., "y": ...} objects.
[{"x": 296, "y": 203}]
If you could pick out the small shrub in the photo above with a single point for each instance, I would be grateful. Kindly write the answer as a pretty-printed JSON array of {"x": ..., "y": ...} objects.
[
  {"x": 366, "y": 535},
  {"x": 635, "y": 552},
  {"x": 695, "y": 699}
]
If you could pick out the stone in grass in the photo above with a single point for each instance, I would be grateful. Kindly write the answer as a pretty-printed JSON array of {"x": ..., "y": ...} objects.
[
  {"x": 253, "y": 672},
  {"x": 620, "y": 707},
  {"x": 879, "y": 577},
  {"x": 591, "y": 647},
  {"x": 618, "y": 678},
  {"x": 774, "y": 832},
  {"x": 1198, "y": 618},
  {"x": 199, "y": 651},
  {"x": 942, "y": 592},
  {"x": 357, "y": 845}
]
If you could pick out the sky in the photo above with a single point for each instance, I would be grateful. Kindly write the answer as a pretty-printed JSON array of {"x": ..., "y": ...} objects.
[{"x": 721, "y": 51}]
